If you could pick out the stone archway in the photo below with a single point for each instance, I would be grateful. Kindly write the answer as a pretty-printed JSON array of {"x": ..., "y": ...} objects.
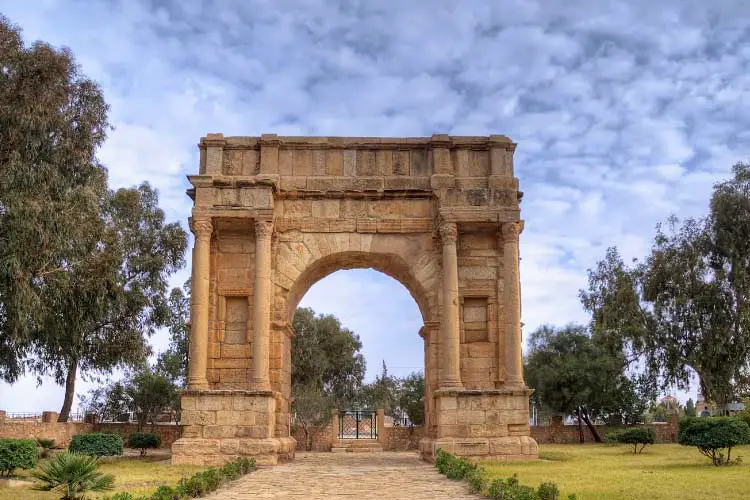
[{"x": 273, "y": 215}]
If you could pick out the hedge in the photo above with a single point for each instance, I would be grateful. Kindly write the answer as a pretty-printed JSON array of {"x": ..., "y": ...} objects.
[
  {"x": 497, "y": 489},
  {"x": 711, "y": 435},
  {"x": 198, "y": 485},
  {"x": 98, "y": 444},
  {"x": 143, "y": 441},
  {"x": 17, "y": 454},
  {"x": 636, "y": 436}
]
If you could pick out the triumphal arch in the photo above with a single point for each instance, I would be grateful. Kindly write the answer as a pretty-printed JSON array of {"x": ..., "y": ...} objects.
[{"x": 272, "y": 215}]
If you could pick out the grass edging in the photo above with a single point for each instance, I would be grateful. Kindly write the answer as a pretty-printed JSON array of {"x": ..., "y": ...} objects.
[
  {"x": 458, "y": 468},
  {"x": 198, "y": 485}
]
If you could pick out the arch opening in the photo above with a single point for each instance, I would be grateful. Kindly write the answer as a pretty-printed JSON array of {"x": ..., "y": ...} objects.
[{"x": 389, "y": 264}]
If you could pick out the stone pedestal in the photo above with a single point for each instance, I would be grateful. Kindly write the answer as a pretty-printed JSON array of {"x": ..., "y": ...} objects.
[
  {"x": 220, "y": 426},
  {"x": 486, "y": 424}
]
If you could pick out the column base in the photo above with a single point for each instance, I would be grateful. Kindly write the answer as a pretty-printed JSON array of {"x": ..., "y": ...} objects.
[
  {"x": 482, "y": 424},
  {"x": 221, "y": 426}
]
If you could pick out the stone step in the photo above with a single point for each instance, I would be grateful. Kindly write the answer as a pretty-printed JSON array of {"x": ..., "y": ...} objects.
[{"x": 368, "y": 449}]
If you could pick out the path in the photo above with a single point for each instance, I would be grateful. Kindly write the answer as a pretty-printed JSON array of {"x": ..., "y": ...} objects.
[{"x": 318, "y": 476}]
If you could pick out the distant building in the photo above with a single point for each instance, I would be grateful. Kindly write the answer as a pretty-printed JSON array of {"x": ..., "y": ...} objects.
[{"x": 705, "y": 408}]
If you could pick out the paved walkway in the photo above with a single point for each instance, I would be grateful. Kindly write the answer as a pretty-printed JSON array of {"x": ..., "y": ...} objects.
[{"x": 318, "y": 476}]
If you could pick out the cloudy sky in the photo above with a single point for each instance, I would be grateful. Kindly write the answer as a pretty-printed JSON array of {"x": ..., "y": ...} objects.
[{"x": 624, "y": 112}]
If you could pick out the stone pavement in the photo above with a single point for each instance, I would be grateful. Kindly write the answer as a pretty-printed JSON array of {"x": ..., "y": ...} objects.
[{"x": 318, "y": 476}]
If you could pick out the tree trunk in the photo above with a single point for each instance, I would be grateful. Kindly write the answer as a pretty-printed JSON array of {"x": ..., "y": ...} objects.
[
  {"x": 580, "y": 427},
  {"x": 70, "y": 389},
  {"x": 592, "y": 428}
]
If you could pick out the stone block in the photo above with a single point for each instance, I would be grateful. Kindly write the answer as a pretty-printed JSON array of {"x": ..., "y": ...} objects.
[
  {"x": 327, "y": 209},
  {"x": 349, "y": 163},
  {"x": 471, "y": 447},
  {"x": 293, "y": 183},
  {"x": 335, "y": 162},
  {"x": 285, "y": 162},
  {"x": 400, "y": 161},
  {"x": 198, "y": 417},
  {"x": 219, "y": 431},
  {"x": 488, "y": 430}
]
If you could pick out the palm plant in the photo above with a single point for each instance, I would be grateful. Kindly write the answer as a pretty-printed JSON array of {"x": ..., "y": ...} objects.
[{"x": 73, "y": 475}]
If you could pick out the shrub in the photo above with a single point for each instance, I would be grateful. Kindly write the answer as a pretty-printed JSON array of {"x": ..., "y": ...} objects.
[
  {"x": 198, "y": 485},
  {"x": 511, "y": 489},
  {"x": 97, "y": 444},
  {"x": 45, "y": 446},
  {"x": 143, "y": 441},
  {"x": 711, "y": 435},
  {"x": 635, "y": 436},
  {"x": 165, "y": 493},
  {"x": 548, "y": 491},
  {"x": 17, "y": 454},
  {"x": 126, "y": 496},
  {"x": 73, "y": 475},
  {"x": 477, "y": 479},
  {"x": 499, "y": 489}
]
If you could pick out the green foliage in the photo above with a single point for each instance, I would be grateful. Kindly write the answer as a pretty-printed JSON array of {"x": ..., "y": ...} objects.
[
  {"x": 690, "y": 408},
  {"x": 684, "y": 308},
  {"x": 573, "y": 372},
  {"x": 634, "y": 436},
  {"x": 411, "y": 397},
  {"x": 143, "y": 441},
  {"x": 52, "y": 121},
  {"x": 47, "y": 444},
  {"x": 173, "y": 363},
  {"x": 548, "y": 491},
  {"x": 711, "y": 435},
  {"x": 108, "y": 402},
  {"x": 199, "y": 484},
  {"x": 150, "y": 394},
  {"x": 129, "y": 496},
  {"x": 98, "y": 444},
  {"x": 504, "y": 489},
  {"x": 453, "y": 467},
  {"x": 17, "y": 454},
  {"x": 327, "y": 356},
  {"x": 477, "y": 479},
  {"x": 71, "y": 474}
]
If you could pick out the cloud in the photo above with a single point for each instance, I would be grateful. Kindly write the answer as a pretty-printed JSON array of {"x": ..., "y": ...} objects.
[{"x": 624, "y": 113}]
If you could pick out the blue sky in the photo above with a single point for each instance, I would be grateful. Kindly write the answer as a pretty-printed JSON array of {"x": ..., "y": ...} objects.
[{"x": 624, "y": 112}]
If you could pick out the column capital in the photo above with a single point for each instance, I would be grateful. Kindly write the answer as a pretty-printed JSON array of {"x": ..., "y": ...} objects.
[
  {"x": 448, "y": 232},
  {"x": 510, "y": 231},
  {"x": 201, "y": 226},
  {"x": 263, "y": 228}
]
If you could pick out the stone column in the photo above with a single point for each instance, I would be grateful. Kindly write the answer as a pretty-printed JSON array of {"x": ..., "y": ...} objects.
[
  {"x": 450, "y": 341},
  {"x": 512, "y": 309},
  {"x": 262, "y": 305},
  {"x": 198, "y": 357}
]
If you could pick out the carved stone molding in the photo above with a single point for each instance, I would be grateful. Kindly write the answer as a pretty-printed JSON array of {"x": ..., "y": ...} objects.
[
  {"x": 511, "y": 230},
  {"x": 448, "y": 232},
  {"x": 202, "y": 227},
  {"x": 263, "y": 228}
]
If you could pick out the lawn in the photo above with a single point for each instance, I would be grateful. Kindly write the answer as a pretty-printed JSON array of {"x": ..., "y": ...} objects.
[
  {"x": 662, "y": 472},
  {"x": 136, "y": 475}
]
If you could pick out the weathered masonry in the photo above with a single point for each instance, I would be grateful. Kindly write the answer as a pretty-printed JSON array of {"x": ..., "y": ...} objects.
[{"x": 273, "y": 215}]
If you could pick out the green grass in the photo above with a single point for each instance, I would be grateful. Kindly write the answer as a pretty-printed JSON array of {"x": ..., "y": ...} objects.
[
  {"x": 136, "y": 475},
  {"x": 602, "y": 472}
]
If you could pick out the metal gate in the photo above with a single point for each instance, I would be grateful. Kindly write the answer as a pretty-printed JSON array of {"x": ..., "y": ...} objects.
[{"x": 358, "y": 424}]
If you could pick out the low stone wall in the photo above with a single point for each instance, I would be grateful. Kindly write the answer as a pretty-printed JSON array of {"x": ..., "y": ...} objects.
[
  {"x": 169, "y": 433},
  {"x": 61, "y": 433},
  {"x": 557, "y": 433},
  {"x": 402, "y": 438},
  {"x": 392, "y": 438},
  {"x": 322, "y": 438}
]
